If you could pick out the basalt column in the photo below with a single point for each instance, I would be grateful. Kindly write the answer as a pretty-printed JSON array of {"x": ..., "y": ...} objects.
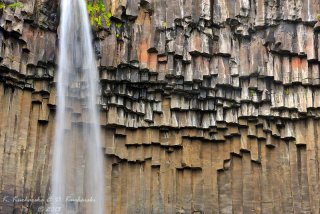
[{"x": 204, "y": 106}]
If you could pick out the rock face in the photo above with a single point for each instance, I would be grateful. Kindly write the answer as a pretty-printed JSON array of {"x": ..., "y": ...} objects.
[{"x": 207, "y": 106}]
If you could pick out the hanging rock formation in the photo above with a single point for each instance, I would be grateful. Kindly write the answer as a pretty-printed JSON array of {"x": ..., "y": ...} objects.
[{"x": 207, "y": 106}]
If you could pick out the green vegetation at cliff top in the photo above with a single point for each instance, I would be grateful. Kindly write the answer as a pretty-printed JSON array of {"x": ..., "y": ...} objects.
[
  {"x": 12, "y": 6},
  {"x": 97, "y": 12}
]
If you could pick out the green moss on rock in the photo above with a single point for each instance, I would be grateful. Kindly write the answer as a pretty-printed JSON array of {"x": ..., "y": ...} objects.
[{"x": 97, "y": 13}]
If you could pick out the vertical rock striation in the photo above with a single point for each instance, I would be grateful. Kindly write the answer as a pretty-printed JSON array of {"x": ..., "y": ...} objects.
[{"x": 206, "y": 106}]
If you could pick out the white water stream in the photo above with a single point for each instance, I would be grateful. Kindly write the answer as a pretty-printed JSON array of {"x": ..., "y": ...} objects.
[{"x": 77, "y": 176}]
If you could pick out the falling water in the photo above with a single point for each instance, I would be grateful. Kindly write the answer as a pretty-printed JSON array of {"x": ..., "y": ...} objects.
[{"x": 77, "y": 180}]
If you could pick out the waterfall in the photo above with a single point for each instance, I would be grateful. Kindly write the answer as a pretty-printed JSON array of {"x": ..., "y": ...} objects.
[{"x": 77, "y": 176}]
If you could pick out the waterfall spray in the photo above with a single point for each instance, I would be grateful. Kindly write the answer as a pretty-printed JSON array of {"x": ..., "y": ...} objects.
[{"x": 77, "y": 176}]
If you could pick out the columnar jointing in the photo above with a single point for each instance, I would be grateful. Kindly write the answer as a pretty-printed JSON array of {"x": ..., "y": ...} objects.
[{"x": 205, "y": 106}]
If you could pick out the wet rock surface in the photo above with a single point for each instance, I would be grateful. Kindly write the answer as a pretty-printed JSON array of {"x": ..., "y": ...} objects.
[{"x": 206, "y": 106}]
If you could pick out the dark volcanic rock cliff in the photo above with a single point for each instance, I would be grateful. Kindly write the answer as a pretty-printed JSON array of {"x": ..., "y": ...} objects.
[{"x": 207, "y": 106}]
